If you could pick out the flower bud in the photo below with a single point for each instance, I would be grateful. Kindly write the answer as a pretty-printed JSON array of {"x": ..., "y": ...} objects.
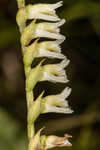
[{"x": 54, "y": 141}]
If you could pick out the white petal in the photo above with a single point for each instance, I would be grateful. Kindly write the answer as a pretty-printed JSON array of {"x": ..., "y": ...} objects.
[
  {"x": 64, "y": 63},
  {"x": 60, "y": 23},
  {"x": 49, "y": 108},
  {"x": 45, "y": 17},
  {"x": 57, "y": 5},
  {"x": 60, "y": 41},
  {"x": 49, "y": 77},
  {"x": 65, "y": 93},
  {"x": 46, "y": 53},
  {"x": 41, "y": 33},
  {"x": 57, "y": 69}
]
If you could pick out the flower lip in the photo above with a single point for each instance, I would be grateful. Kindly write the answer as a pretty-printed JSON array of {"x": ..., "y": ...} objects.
[
  {"x": 54, "y": 109},
  {"x": 47, "y": 53}
]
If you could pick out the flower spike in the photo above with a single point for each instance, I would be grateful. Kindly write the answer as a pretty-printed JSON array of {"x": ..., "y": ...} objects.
[{"x": 34, "y": 47}]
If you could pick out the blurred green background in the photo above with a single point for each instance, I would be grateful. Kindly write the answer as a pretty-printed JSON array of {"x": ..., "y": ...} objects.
[{"x": 82, "y": 47}]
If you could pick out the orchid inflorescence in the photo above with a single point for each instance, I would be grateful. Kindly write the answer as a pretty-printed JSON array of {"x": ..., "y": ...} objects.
[{"x": 48, "y": 29}]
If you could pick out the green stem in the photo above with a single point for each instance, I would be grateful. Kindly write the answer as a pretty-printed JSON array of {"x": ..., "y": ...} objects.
[
  {"x": 29, "y": 95},
  {"x": 30, "y": 98},
  {"x": 30, "y": 125},
  {"x": 30, "y": 131},
  {"x": 21, "y": 3}
]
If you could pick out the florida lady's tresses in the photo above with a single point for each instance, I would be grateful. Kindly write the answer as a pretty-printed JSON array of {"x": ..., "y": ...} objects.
[{"x": 49, "y": 28}]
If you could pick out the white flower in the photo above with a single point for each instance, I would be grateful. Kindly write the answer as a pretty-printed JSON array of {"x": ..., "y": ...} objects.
[
  {"x": 45, "y": 29},
  {"x": 50, "y": 49},
  {"x": 55, "y": 72},
  {"x": 43, "y": 11},
  {"x": 57, "y": 103},
  {"x": 49, "y": 30},
  {"x": 51, "y": 72}
]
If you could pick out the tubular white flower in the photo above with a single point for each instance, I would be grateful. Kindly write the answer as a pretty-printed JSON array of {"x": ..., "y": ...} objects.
[
  {"x": 55, "y": 72},
  {"x": 46, "y": 30},
  {"x": 49, "y": 30},
  {"x": 57, "y": 103},
  {"x": 51, "y": 72},
  {"x": 50, "y": 49},
  {"x": 43, "y": 11}
]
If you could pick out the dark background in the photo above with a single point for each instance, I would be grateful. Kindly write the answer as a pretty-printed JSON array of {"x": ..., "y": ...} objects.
[{"x": 82, "y": 47}]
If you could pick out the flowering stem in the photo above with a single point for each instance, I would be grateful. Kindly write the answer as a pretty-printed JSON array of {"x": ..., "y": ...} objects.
[
  {"x": 29, "y": 94},
  {"x": 50, "y": 72}
]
